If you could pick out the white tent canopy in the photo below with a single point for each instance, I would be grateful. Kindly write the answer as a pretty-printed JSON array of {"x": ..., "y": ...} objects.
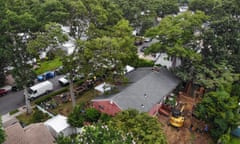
[{"x": 58, "y": 125}]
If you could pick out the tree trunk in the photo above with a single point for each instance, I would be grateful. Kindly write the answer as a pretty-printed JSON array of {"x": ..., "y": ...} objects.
[
  {"x": 174, "y": 61},
  {"x": 27, "y": 101},
  {"x": 188, "y": 88},
  {"x": 72, "y": 93}
]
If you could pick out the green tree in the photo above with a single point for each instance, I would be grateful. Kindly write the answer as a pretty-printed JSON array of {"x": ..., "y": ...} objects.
[
  {"x": 109, "y": 54},
  {"x": 221, "y": 41},
  {"x": 99, "y": 134},
  {"x": 206, "y": 6},
  {"x": 180, "y": 37},
  {"x": 77, "y": 117},
  {"x": 92, "y": 115},
  {"x": 2, "y": 133},
  {"x": 50, "y": 11},
  {"x": 142, "y": 14},
  {"x": 17, "y": 31},
  {"x": 220, "y": 110},
  {"x": 167, "y": 7},
  {"x": 102, "y": 134},
  {"x": 143, "y": 128}
]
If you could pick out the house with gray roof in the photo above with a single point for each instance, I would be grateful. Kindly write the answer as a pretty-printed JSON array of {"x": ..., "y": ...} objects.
[{"x": 146, "y": 90}]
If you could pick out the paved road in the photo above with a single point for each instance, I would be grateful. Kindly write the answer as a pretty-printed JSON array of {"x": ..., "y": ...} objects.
[{"x": 14, "y": 100}]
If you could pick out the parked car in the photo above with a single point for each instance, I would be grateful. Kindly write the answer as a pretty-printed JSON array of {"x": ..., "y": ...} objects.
[
  {"x": 143, "y": 48},
  {"x": 46, "y": 76},
  {"x": 63, "y": 81},
  {"x": 147, "y": 39},
  {"x": 59, "y": 70},
  {"x": 3, "y": 92}
]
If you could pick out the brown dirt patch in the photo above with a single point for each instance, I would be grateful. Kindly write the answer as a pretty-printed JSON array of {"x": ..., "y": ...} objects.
[{"x": 184, "y": 135}]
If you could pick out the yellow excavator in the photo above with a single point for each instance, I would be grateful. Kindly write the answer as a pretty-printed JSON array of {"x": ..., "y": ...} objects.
[{"x": 177, "y": 119}]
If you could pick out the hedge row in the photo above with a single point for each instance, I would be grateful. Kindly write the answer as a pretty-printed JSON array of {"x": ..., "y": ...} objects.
[
  {"x": 50, "y": 95},
  {"x": 142, "y": 63}
]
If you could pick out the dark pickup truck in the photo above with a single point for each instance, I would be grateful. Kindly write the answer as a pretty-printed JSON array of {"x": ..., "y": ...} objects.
[{"x": 3, "y": 92}]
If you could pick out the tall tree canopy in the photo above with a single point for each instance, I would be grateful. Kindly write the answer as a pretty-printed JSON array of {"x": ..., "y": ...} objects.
[
  {"x": 179, "y": 37},
  {"x": 143, "y": 14},
  {"x": 143, "y": 128},
  {"x": 219, "y": 109}
]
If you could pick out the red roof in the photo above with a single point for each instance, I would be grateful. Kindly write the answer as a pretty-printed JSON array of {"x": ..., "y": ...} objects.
[
  {"x": 106, "y": 106},
  {"x": 154, "y": 109}
]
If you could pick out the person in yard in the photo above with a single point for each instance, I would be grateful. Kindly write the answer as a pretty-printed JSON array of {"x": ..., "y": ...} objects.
[
  {"x": 206, "y": 128},
  {"x": 191, "y": 126}
]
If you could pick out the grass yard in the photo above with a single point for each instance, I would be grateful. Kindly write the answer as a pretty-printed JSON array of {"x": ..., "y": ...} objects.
[
  {"x": 35, "y": 117},
  {"x": 48, "y": 65},
  {"x": 235, "y": 140}
]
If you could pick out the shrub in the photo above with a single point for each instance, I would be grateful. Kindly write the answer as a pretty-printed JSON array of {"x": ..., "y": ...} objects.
[
  {"x": 142, "y": 63},
  {"x": 105, "y": 117},
  {"x": 49, "y": 96},
  {"x": 92, "y": 115},
  {"x": 38, "y": 116},
  {"x": 13, "y": 111}
]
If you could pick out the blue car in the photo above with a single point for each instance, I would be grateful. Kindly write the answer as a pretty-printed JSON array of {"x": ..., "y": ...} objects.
[
  {"x": 50, "y": 74},
  {"x": 46, "y": 75},
  {"x": 40, "y": 78}
]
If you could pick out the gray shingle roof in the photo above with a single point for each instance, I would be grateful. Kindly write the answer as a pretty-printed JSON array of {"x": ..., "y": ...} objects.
[{"x": 147, "y": 91}]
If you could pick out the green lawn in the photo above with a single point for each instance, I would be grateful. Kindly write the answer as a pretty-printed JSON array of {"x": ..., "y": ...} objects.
[
  {"x": 48, "y": 65},
  {"x": 35, "y": 117},
  {"x": 235, "y": 140}
]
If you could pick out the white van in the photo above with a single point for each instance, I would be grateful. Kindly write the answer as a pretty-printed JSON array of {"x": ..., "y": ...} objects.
[{"x": 40, "y": 89}]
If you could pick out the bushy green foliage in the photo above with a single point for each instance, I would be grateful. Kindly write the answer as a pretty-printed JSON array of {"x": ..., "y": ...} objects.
[
  {"x": 49, "y": 96},
  {"x": 235, "y": 90},
  {"x": 64, "y": 140},
  {"x": 80, "y": 114},
  {"x": 2, "y": 133},
  {"x": 98, "y": 134},
  {"x": 77, "y": 117},
  {"x": 143, "y": 128},
  {"x": 92, "y": 115},
  {"x": 220, "y": 110},
  {"x": 142, "y": 63},
  {"x": 38, "y": 116}
]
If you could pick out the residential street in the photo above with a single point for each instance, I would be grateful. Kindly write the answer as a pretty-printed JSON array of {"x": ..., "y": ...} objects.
[{"x": 13, "y": 100}]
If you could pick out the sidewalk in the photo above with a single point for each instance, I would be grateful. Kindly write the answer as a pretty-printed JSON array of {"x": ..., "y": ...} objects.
[{"x": 7, "y": 117}]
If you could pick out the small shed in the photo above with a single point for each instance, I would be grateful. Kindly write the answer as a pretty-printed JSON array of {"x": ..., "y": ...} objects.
[{"x": 58, "y": 126}]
